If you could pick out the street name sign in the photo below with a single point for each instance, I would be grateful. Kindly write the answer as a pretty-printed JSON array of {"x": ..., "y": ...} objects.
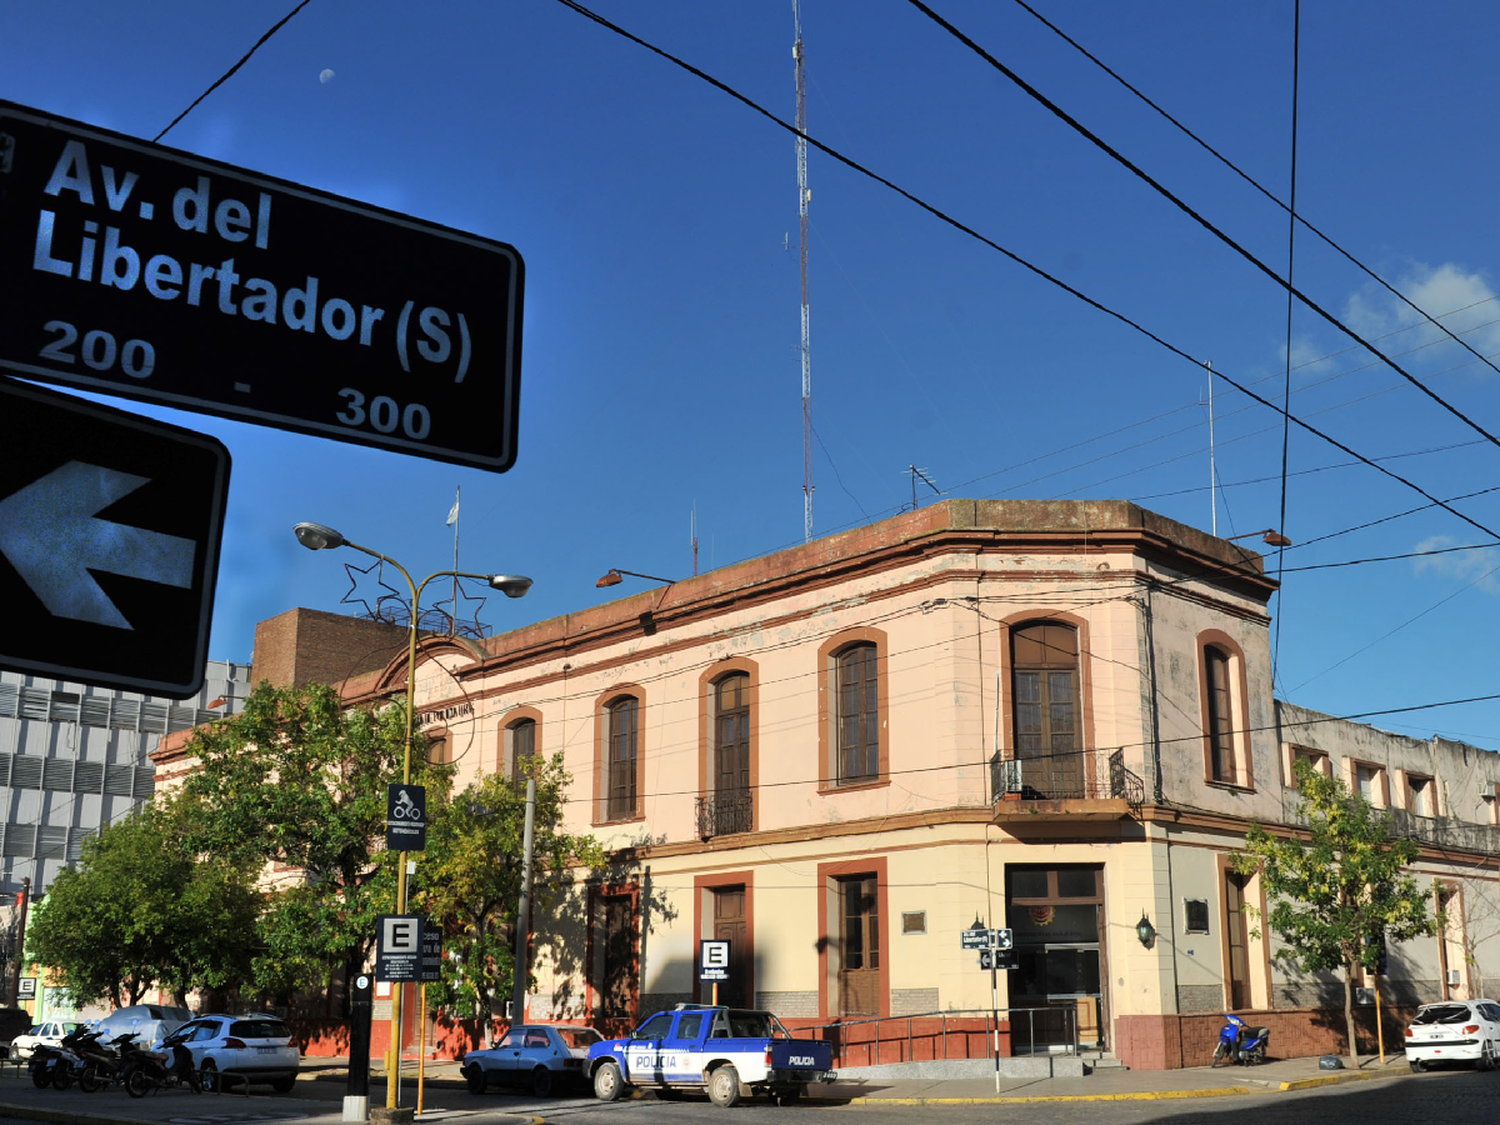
[
  {"x": 134, "y": 269},
  {"x": 398, "y": 947},
  {"x": 110, "y": 526},
  {"x": 406, "y": 818},
  {"x": 713, "y": 960},
  {"x": 982, "y": 938}
]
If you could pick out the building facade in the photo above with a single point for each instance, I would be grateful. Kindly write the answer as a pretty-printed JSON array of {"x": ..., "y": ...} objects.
[{"x": 1055, "y": 717}]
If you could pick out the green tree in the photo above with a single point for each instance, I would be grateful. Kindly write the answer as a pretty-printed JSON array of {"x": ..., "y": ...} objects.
[
  {"x": 297, "y": 782},
  {"x": 470, "y": 879},
  {"x": 140, "y": 909},
  {"x": 1339, "y": 888}
]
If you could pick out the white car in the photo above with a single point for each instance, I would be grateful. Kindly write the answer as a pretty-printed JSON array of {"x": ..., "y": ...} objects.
[
  {"x": 1455, "y": 1031},
  {"x": 236, "y": 1050},
  {"x": 47, "y": 1034}
]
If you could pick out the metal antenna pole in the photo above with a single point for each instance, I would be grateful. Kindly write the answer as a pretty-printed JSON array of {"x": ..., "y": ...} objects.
[
  {"x": 1213, "y": 472},
  {"x": 803, "y": 195}
]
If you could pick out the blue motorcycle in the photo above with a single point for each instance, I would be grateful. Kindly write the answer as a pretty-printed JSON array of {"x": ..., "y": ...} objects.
[{"x": 1241, "y": 1043}]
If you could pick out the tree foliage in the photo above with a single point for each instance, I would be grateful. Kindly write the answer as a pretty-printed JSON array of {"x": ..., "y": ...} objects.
[
  {"x": 297, "y": 782},
  {"x": 140, "y": 909},
  {"x": 470, "y": 878},
  {"x": 1341, "y": 891}
]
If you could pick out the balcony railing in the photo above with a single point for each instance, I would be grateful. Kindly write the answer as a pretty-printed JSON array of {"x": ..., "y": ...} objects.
[
  {"x": 723, "y": 813},
  {"x": 1076, "y": 775}
]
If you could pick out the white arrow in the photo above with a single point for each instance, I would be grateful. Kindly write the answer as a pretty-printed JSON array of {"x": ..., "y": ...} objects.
[{"x": 50, "y": 534}]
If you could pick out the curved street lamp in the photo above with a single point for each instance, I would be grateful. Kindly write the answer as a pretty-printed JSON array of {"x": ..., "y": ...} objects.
[{"x": 320, "y": 537}]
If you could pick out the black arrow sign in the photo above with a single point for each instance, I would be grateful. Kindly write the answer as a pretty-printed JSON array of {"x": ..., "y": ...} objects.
[{"x": 109, "y": 543}]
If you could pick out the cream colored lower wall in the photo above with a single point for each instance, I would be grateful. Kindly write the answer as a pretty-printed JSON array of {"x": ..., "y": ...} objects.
[{"x": 952, "y": 873}]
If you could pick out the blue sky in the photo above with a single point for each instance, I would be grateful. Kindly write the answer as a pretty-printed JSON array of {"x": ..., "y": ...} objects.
[{"x": 660, "y": 367}]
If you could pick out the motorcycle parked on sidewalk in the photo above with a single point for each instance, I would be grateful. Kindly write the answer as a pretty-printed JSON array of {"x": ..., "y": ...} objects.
[
  {"x": 57, "y": 1066},
  {"x": 1241, "y": 1043},
  {"x": 147, "y": 1071},
  {"x": 100, "y": 1064}
]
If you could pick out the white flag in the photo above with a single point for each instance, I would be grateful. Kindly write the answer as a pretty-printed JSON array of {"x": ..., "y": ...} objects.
[{"x": 453, "y": 512}]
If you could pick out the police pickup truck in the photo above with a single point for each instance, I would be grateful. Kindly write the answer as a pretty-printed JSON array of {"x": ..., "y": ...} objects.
[{"x": 728, "y": 1052}]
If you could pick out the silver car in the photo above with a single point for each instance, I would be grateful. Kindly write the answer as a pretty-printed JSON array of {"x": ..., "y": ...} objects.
[{"x": 537, "y": 1057}]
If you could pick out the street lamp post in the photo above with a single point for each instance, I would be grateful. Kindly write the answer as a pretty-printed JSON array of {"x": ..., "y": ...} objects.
[{"x": 317, "y": 537}]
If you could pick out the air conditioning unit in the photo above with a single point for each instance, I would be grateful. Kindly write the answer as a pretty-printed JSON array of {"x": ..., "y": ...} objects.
[{"x": 1454, "y": 979}]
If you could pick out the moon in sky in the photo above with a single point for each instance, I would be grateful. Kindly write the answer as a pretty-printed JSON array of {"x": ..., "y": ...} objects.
[{"x": 324, "y": 75}]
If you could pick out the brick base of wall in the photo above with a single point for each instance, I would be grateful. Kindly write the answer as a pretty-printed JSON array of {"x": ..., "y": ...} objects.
[{"x": 1170, "y": 1042}]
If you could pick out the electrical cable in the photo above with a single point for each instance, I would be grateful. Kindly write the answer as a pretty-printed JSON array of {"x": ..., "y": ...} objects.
[
  {"x": 1146, "y": 178},
  {"x": 1327, "y": 239},
  {"x": 1031, "y": 267},
  {"x": 259, "y": 43}
]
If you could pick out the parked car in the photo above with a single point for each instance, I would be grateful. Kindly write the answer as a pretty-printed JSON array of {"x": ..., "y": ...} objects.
[
  {"x": 538, "y": 1057},
  {"x": 254, "y": 1049},
  {"x": 1455, "y": 1031},
  {"x": 149, "y": 1022},
  {"x": 47, "y": 1034}
]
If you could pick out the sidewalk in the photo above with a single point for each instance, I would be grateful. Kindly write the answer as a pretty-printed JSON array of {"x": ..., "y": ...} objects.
[{"x": 1113, "y": 1084}]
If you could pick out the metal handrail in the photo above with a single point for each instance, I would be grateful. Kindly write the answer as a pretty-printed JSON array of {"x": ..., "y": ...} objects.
[
  {"x": 1077, "y": 774},
  {"x": 1069, "y": 1014}
]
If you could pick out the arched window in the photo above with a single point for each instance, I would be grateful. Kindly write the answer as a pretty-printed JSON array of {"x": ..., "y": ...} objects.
[
  {"x": 1220, "y": 724},
  {"x": 857, "y": 721},
  {"x": 522, "y": 738},
  {"x": 624, "y": 719},
  {"x": 732, "y": 734},
  {"x": 1047, "y": 720}
]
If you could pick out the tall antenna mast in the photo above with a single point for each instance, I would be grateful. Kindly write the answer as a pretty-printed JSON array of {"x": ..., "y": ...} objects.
[
  {"x": 1213, "y": 472},
  {"x": 803, "y": 195}
]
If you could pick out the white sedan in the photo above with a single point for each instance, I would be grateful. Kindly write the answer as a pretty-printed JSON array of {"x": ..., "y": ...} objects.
[
  {"x": 48, "y": 1034},
  {"x": 1455, "y": 1031},
  {"x": 535, "y": 1057}
]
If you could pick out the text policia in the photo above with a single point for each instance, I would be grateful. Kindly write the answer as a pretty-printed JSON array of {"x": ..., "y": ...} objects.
[{"x": 103, "y": 258}]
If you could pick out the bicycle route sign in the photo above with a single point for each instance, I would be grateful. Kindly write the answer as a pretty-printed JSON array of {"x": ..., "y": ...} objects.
[
  {"x": 133, "y": 269},
  {"x": 406, "y": 818}
]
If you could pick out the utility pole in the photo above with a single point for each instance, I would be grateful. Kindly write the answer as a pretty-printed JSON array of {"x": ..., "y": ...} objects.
[
  {"x": 803, "y": 195},
  {"x": 523, "y": 911}
]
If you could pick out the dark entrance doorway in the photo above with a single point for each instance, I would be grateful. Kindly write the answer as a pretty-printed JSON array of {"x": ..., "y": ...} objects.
[
  {"x": 729, "y": 925},
  {"x": 1057, "y": 916}
]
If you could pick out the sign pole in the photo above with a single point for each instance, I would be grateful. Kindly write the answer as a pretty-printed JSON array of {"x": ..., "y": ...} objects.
[{"x": 995, "y": 1008}]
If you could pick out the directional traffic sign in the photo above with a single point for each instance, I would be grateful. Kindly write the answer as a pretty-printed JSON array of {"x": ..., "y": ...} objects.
[
  {"x": 109, "y": 543},
  {"x": 135, "y": 269}
]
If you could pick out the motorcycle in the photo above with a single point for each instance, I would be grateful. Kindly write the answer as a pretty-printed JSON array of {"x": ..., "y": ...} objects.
[
  {"x": 1241, "y": 1043},
  {"x": 100, "y": 1064},
  {"x": 146, "y": 1070},
  {"x": 57, "y": 1066}
]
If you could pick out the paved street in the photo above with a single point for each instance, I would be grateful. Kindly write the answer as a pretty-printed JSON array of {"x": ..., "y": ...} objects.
[{"x": 1196, "y": 1096}]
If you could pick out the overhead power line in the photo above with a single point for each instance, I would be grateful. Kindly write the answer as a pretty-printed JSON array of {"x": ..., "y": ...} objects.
[
  {"x": 1326, "y": 238},
  {"x": 1104, "y": 146},
  {"x": 1029, "y": 266},
  {"x": 259, "y": 43}
]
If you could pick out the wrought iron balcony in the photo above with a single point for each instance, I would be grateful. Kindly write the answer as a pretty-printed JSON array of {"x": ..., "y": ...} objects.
[
  {"x": 1086, "y": 775},
  {"x": 722, "y": 813}
]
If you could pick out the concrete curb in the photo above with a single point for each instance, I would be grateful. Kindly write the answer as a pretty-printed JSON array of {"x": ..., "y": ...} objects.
[{"x": 1334, "y": 1080}]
